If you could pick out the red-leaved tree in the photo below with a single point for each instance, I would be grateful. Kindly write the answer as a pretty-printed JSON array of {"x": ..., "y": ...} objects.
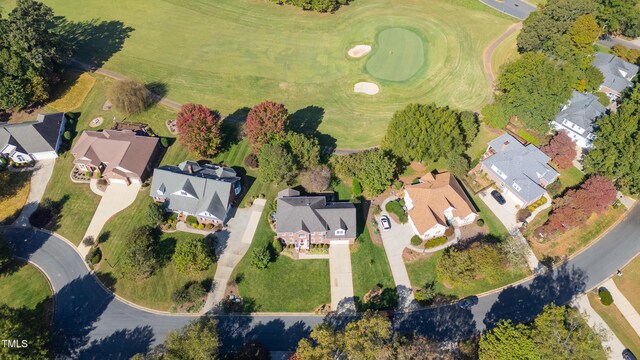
[
  {"x": 199, "y": 129},
  {"x": 265, "y": 121},
  {"x": 561, "y": 150}
]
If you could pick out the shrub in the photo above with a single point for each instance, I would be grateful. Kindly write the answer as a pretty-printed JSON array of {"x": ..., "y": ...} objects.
[
  {"x": 424, "y": 296},
  {"x": 190, "y": 292},
  {"x": 397, "y": 185},
  {"x": 605, "y": 297},
  {"x": 128, "y": 96},
  {"x": 260, "y": 258},
  {"x": 523, "y": 214},
  {"x": 251, "y": 161},
  {"x": 88, "y": 241},
  {"x": 435, "y": 242},
  {"x": 155, "y": 214},
  {"x": 603, "y": 99},
  {"x": 191, "y": 220},
  {"x": 316, "y": 178},
  {"x": 67, "y": 135},
  {"x": 277, "y": 245},
  {"x": 94, "y": 256},
  {"x": 357, "y": 187},
  {"x": 554, "y": 188},
  {"x": 164, "y": 142},
  {"x": 480, "y": 222},
  {"x": 394, "y": 207},
  {"x": 415, "y": 240}
]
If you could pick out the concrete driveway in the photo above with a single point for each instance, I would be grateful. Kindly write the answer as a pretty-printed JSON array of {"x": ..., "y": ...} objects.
[
  {"x": 341, "y": 278},
  {"x": 39, "y": 180},
  {"x": 231, "y": 246},
  {"x": 506, "y": 213},
  {"x": 515, "y": 8},
  {"x": 394, "y": 241},
  {"x": 116, "y": 198}
]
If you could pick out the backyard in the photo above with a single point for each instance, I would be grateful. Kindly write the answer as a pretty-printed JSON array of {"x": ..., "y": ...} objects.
[{"x": 254, "y": 56}]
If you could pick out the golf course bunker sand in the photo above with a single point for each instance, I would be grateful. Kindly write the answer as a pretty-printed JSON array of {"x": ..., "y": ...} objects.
[
  {"x": 366, "y": 88},
  {"x": 359, "y": 51},
  {"x": 399, "y": 55}
]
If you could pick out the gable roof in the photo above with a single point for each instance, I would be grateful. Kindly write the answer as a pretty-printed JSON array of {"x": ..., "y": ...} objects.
[
  {"x": 583, "y": 109},
  {"x": 41, "y": 135},
  {"x": 211, "y": 187},
  {"x": 613, "y": 69},
  {"x": 432, "y": 196},
  {"x": 314, "y": 214},
  {"x": 121, "y": 150},
  {"x": 522, "y": 165}
]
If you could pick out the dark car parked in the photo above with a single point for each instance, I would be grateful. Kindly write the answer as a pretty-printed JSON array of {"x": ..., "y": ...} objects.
[
  {"x": 468, "y": 302},
  {"x": 628, "y": 355},
  {"x": 499, "y": 198}
]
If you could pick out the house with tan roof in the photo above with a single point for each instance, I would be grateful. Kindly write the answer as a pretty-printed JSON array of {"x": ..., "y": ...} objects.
[
  {"x": 436, "y": 203},
  {"x": 121, "y": 156}
]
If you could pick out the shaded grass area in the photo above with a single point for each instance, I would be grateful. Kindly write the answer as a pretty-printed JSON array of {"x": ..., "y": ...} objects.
[
  {"x": 156, "y": 291},
  {"x": 629, "y": 282},
  {"x": 369, "y": 266},
  {"x": 13, "y": 194},
  {"x": 23, "y": 285},
  {"x": 618, "y": 324}
]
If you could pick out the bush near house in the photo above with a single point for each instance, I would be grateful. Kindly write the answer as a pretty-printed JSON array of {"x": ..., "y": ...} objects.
[
  {"x": 435, "y": 242},
  {"x": 528, "y": 137},
  {"x": 395, "y": 208},
  {"x": 537, "y": 204},
  {"x": 415, "y": 240},
  {"x": 605, "y": 297}
]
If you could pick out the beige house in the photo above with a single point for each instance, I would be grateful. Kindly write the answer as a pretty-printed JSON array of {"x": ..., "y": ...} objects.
[
  {"x": 437, "y": 203},
  {"x": 120, "y": 155}
]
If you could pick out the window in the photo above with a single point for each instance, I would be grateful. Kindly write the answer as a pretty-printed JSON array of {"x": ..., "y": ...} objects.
[
  {"x": 302, "y": 236},
  {"x": 291, "y": 241},
  {"x": 183, "y": 193},
  {"x": 340, "y": 232},
  {"x": 517, "y": 187},
  {"x": 313, "y": 240}
]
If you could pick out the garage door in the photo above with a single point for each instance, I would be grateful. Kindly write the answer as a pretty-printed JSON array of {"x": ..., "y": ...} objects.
[
  {"x": 117, "y": 181},
  {"x": 339, "y": 242},
  {"x": 44, "y": 155},
  {"x": 135, "y": 181},
  {"x": 513, "y": 197}
]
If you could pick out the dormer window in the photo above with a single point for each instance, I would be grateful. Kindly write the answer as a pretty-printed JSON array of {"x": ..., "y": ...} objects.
[
  {"x": 340, "y": 232},
  {"x": 517, "y": 187},
  {"x": 184, "y": 193},
  {"x": 160, "y": 192}
]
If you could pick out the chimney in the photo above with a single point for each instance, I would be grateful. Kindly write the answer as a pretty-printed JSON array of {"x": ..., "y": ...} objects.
[{"x": 190, "y": 169}]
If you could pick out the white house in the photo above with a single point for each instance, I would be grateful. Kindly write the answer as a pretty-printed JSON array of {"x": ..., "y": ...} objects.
[
  {"x": 33, "y": 140},
  {"x": 578, "y": 118}
]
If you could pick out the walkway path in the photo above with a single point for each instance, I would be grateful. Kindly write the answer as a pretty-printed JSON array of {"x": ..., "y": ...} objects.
[
  {"x": 625, "y": 307},
  {"x": 116, "y": 198},
  {"x": 595, "y": 321},
  {"x": 341, "y": 279},
  {"x": 233, "y": 244},
  {"x": 487, "y": 56},
  {"x": 39, "y": 180}
]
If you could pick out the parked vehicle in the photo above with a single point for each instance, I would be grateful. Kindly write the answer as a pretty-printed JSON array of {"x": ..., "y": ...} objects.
[
  {"x": 385, "y": 223},
  {"x": 468, "y": 302},
  {"x": 499, "y": 198},
  {"x": 628, "y": 355}
]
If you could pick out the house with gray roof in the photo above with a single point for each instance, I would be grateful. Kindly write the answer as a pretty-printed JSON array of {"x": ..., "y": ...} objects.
[
  {"x": 33, "y": 140},
  {"x": 578, "y": 118},
  {"x": 521, "y": 172},
  {"x": 303, "y": 221},
  {"x": 205, "y": 191},
  {"x": 617, "y": 74}
]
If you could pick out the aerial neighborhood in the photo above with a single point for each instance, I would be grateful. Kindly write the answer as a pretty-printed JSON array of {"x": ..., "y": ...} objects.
[{"x": 320, "y": 179}]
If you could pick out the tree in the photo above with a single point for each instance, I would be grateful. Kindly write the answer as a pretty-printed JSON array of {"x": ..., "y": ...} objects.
[
  {"x": 584, "y": 32},
  {"x": 190, "y": 292},
  {"x": 305, "y": 150},
  {"x": 470, "y": 125},
  {"x": 625, "y": 53},
  {"x": 316, "y": 179},
  {"x": 561, "y": 149},
  {"x": 260, "y": 258},
  {"x": 19, "y": 324},
  {"x": 481, "y": 259},
  {"x": 620, "y": 17},
  {"x": 141, "y": 260},
  {"x": 596, "y": 194},
  {"x": 196, "y": 341},
  {"x": 497, "y": 114},
  {"x": 277, "y": 246},
  {"x": 193, "y": 254},
  {"x": 265, "y": 122},
  {"x": 415, "y": 133},
  {"x": 199, "y": 129},
  {"x": 374, "y": 169},
  {"x": 322, "y": 345},
  {"x": 128, "y": 96},
  {"x": 316, "y": 5},
  {"x": 5, "y": 253},
  {"x": 458, "y": 165},
  {"x": 155, "y": 213},
  {"x": 32, "y": 55},
  {"x": 276, "y": 164},
  {"x": 507, "y": 341},
  {"x": 362, "y": 339}
]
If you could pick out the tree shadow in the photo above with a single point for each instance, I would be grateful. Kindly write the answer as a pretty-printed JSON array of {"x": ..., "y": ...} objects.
[
  {"x": 71, "y": 127},
  {"x": 94, "y": 41},
  {"x": 445, "y": 323},
  {"x": 49, "y": 213},
  {"x": 157, "y": 91},
  {"x": 387, "y": 300},
  {"x": 307, "y": 121},
  {"x": 165, "y": 249},
  {"x": 122, "y": 344},
  {"x": 104, "y": 236}
]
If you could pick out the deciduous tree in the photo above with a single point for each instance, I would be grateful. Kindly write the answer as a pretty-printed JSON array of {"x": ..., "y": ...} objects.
[
  {"x": 276, "y": 164},
  {"x": 507, "y": 341},
  {"x": 305, "y": 150},
  {"x": 199, "y": 129},
  {"x": 198, "y": 340},
  {"x": 265, "y": 122},
  {"x": 128, "y": 96},
  {"x": 193, "y": 254},
  {"x": 140, "y": 259},
  {"x": 373, "y": 168},
  {"x": 316, "y": 179},
  {"x": 561, "y": 149}
]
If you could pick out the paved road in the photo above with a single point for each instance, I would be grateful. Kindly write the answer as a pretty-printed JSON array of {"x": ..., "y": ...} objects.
[
  {"x": 516, "y": 8},
  {"x": 91, "y": 322}
]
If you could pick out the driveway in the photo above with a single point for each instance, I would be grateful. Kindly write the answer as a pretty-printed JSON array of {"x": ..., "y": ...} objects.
[
  {"x": 394, "y": 241},
  {"x": 116, "y": 198},
  {"x": 341, "y": 279},
  {"x": 231, "y": 246},
  {"x": 515, "y": 8},
  {"x": 39, "y": 180}
]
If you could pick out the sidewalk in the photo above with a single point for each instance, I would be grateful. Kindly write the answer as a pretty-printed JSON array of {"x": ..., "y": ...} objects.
[
  {"x": 595, "y": 321},
  {"x": 625, "y": 307}
]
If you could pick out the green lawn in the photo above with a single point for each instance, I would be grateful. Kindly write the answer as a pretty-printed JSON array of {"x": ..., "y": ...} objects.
[
  {"x": 230, "y": 54},
  {"x": 629, "y": 283},
  {"x": 398, "y": 55},
  {"x": 24, "y": 286},
  {"x": 369, "y": 266},
  {"x": 13, "y": 194},
  {"x": 618, "y": 324},
  {"x": 490, "y": 219},
  {"x": 571, "y": 177}
]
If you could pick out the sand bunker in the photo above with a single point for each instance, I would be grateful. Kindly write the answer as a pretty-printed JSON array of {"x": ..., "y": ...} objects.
[
  {"x": 359, "y": 51},
  {"x": 366, "y": 88}
]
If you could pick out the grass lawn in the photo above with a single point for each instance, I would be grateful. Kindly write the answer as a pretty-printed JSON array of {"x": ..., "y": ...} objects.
[
  {"x": 480, "y": 143},
  {"x": 369, "y": 266},
  {"x": 618, "y": 324},
  {"x": 156, "y": 291},
  {"x": 574, "y": 239},
  {"x": 570, "y": 177},
  {"x": 423, "y": 271},
  {"x": 13, "y": 194},
  {"x": 629, "y": 282},
  {"x": 77, "y": 85},
  {"x": 504, "y": 53},
  {"x": 24, "y": 286},
  {"x": 236, "y": 53},
  {"x": 399, "y": 54}
]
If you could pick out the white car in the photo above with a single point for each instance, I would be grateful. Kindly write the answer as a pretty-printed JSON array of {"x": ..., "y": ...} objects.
[{"x": 385, "y": 223}]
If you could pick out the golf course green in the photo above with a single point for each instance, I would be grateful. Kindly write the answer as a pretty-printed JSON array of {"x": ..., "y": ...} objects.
[
  {"x": 398, "y": 55},
  {"x": 233, "y": 54}
]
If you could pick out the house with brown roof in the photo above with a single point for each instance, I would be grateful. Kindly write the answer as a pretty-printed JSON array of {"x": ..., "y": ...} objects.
[
  {"x": 121, "y": 156},
  {"x": 436, "y": 203}
]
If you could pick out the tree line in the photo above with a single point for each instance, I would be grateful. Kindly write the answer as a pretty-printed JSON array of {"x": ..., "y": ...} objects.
[{"x": 315, "y": 5}]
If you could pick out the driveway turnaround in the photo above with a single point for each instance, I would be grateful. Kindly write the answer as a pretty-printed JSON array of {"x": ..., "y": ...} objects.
[
  {"x": 625, "y": 307},
  {"x": 39, "y": 180},
  {"x": 341, "y": 278},
  {"x": 515, "y": 8},
  {"x": 233, "y": 244},
  {"x": 116, "y": 198}
]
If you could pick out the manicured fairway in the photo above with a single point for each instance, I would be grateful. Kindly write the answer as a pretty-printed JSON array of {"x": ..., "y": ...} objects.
[
  {"x": 229, "y": 54},
  {"x": 398, "y": 55}
]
